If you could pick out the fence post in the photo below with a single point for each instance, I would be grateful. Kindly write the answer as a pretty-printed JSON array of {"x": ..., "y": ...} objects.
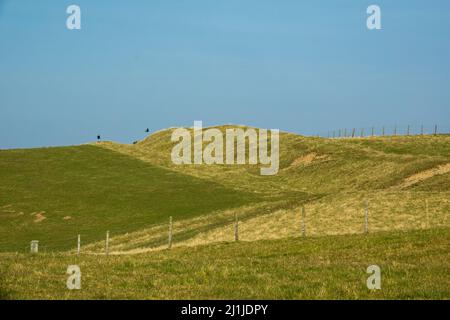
[
  {"x": 345, "y": 133},
  {"x": 78, "y": 244},
  {"x": 107, "y": 243},
  {"x": 353, "y": 133},
  {"x": 435, "y": 129},
  {"x": 366, "y": 217},
  {"x": 34, "y": 246},
  {"x": 382, "y": 132},
  {"x": 170, "y": 232},
  {"x": 236, "y": 227},
  {"x": 407, "y": 131},
  {"x": 303, "y": 222}
]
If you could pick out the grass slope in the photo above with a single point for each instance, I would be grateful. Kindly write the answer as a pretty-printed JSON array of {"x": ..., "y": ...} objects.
[
  {"x": 313, "y": 165},
  {"x": 332, "y": 178},
  {"x": 414, "y": 265},
  {"x": 53, "y": 194}
]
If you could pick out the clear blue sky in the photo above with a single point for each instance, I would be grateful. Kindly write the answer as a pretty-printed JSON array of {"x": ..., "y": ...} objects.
[{"x": 300, "y": 66}]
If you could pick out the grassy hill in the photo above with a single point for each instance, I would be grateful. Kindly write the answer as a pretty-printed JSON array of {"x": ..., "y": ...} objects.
[
  {"x": 404, "y": 179},
  {"x": 414, "y": 265},
  {"x": 54, "y": 194},
  {"x": 313, "y": 165}
]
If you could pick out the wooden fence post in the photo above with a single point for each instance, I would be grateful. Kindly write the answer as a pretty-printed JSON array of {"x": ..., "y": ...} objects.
[
  {"x": 170, "y": 232},
  {"x": 303, "y": 222},
  {"x": 353, "y": 132},
  {"x": 407, "y": 131},
  {"x": 236, "y": 227},
  {"x": 366, "y": 217},
  {"x": 107, "y": 243},
  {"x": 435, "y": 129}
]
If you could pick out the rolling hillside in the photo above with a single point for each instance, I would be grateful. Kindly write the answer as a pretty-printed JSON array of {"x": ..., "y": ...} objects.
[
  {"x": 54, "y": 194},
  {"x": 404, "y": 179},
  {"x": 314, "y": 165}
]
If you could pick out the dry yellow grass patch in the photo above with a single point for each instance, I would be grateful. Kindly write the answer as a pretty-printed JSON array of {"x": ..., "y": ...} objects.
[
  {"x": 144, "y": 240},
  {"x": 308, "y": 159},
  {"x": 342, "y": 214},
  {"x": 427, "y": 174},
  {"x": 333, "y": 215},
  {"x": 275, "y": 225}
]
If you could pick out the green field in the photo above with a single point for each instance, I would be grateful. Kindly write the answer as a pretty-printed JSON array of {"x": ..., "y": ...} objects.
[
  {"x": 88, "y": 190},
  {"x": 54, "y": 194},
  {"x": 414, "y": 265}
]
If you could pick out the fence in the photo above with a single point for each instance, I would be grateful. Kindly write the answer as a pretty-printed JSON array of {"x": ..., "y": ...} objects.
[
  {"x": 362, "y": 216},
  {"x": 391, "y": 130}
]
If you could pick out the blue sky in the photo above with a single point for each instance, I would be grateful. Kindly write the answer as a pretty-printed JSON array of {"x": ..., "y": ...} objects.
[{"x": 300, "y": 66}]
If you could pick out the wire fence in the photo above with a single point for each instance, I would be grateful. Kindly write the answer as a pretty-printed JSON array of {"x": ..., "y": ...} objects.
[
  {"x": 389, "y": 130},
  {"x": 355, "y": 215}
]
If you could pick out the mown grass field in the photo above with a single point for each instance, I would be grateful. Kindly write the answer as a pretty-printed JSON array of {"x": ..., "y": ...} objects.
[{"x": 414, "y": 265}]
